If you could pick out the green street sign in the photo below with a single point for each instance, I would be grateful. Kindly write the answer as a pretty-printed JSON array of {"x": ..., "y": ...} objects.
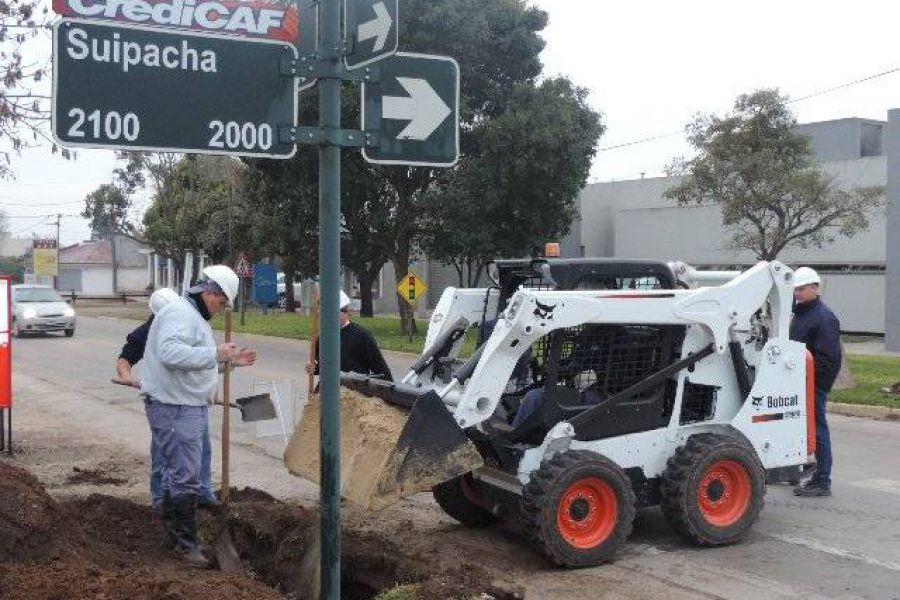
[
  {"x": 139, "y": 88},
  {"x": 414, "y": 106},
  {"x": 371, "y": 31}
]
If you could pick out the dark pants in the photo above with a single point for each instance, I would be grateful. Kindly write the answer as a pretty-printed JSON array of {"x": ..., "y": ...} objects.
[
  {"x": 530, "y": 403},
  {"x": 823, "y": 440},
  {"x": 178, "y": 432}
]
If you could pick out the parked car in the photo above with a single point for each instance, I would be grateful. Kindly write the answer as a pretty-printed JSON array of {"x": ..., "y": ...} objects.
[
  {"x": 282, "y": 299},
  {"x": 40, "y": 309}
]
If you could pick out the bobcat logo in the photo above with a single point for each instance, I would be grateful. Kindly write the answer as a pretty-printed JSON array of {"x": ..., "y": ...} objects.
[
  {"x": 757, "y": 400},
  {"x": 543, "y": 311}
]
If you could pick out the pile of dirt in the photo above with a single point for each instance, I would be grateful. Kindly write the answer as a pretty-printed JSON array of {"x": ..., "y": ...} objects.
[
  {"x": 110, "y": 548},
  {"x": 32, "y": 525}
]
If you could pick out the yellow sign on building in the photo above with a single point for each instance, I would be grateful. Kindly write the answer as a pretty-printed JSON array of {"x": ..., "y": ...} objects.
[
  {"x": 45, "y": 256},
  {"x": 411, "y": 288}
]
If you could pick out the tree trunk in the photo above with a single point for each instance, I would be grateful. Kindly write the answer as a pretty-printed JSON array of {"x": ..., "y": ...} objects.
[
  {"x": 366, "y": 279},
  {"x": 473, "y": 278},
  {"x": 195, "y": 266},
  {"x": 290, "y": 303}
]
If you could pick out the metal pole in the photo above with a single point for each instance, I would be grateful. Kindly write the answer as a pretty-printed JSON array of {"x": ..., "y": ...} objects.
[
  {"x": 226, "y": 416},
  {"x": 329, "y": 271}
]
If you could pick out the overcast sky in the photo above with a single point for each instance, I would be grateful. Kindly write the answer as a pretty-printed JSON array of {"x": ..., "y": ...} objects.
[{"x": 649, "y": 66}]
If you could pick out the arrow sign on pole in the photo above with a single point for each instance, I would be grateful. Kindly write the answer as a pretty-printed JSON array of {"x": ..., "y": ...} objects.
[
  {"x": 414, "y": 107},
  {"x": 377, "y": 28},
  {"x": 423, "y": 108},
  {"x": 371, "y": 28}
]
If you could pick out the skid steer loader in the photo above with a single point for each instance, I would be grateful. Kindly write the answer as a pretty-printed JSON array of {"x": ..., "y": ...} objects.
[{"x": 644, "y": 383}]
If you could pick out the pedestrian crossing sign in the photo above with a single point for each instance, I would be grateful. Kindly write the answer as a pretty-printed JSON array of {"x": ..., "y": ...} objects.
[{"x": 411, "y": 288}]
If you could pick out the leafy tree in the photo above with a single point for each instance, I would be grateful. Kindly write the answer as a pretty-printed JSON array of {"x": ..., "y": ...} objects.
[
  {"x": 23, "y": 113},
  {"x": 107, "y": 210},
  {"x": 755, "y": 166},
  {"x": 518, "y": 189},
  {"x": 192, "y": 210}
]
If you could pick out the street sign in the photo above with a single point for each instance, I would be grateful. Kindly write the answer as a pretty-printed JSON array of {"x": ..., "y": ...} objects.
[
  {"x": 371, "y": 29},
  {"x": 265, "y": 285},
  {"x": 411, "y": 288},
  {"x": 308, "y": 40},
  {"x": 140, "y": 88},
  {"x": 242, "y": 266},
  {"x": 415, "y": 108}
]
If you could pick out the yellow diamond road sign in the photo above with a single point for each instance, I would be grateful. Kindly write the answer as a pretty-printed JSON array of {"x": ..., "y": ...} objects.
[{"x": 411, "y": 288}]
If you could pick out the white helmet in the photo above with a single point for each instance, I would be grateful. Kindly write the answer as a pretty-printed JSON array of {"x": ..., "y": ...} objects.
[
  {"x": 160, "y": 298},
  {"x": 806, "y": 276},
  {"x": 344, "y": 300},
  {"x": 225, "y": 278}
]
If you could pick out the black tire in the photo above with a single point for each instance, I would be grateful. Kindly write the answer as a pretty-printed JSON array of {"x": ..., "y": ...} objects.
[
  {"x": 282, "y": 301},
  {"x": 713, "y": 489},
  {"x": 70, "y": 332},
  {"x": 578, "y": 508},
  {"x": 458, "y": 498}
]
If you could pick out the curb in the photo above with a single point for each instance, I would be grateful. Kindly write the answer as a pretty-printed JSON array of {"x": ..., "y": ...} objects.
[{"x": 864, "y": 411}]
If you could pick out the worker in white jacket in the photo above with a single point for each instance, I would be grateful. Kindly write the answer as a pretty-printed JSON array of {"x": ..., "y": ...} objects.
[{"x": 180, "y": 377}]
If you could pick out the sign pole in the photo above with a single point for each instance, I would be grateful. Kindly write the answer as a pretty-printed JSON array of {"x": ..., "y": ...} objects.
[{"x": 329, "y": 269}]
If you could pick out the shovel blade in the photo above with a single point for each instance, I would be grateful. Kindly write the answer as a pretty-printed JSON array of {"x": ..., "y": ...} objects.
[
  {"x": 226, "y": 554},
  {"x": 258, "y": 407}
]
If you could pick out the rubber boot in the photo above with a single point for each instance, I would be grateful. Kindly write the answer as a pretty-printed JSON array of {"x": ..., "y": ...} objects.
[
  {"x": 186, "y": 544},
  {"x": 167, "y": 512}
]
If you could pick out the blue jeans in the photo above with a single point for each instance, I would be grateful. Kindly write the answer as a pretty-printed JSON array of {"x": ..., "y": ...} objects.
[
  {"x": 823, "y": 440},
  {"x": 530, "y": 403},
  {"x": 156, "y": 470},
  {"x": 178, "y": 434}
]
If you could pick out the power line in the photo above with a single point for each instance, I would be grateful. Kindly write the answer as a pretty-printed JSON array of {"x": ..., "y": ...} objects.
[
  {"x": 43, "y": 204},
  {"x": 32, "y": 226},
  {"x": 791, "y": 101},
  {"x": 38, "y": 216}
]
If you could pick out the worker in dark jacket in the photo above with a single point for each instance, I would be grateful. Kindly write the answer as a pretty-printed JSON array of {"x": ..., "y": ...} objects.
[
  {"x": 816, "y": 326},
  {"x": 359, "y": 351},
  {"x": 131, "y": 354}
]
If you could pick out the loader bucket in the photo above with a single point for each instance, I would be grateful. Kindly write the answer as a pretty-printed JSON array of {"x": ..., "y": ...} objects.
[{"x": 388, "y": 452}]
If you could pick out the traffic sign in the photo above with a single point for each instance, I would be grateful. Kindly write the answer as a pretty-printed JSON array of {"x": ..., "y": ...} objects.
[
  {"x": 415, "y": 108},
  {"x": 265, "y": 285},
  {"x": 371, "y": 27},
  {"x": 141, "y": 88},
  {"x": 242, "y": 267},
  {"x": 411, "y": 288}
]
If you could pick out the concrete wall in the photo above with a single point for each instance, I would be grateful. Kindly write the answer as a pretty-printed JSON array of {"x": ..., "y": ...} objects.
[
  {"x": 892, "y": 244},
  {"x": 96, "y": 281},
  {"x": 857, "y": 299}
]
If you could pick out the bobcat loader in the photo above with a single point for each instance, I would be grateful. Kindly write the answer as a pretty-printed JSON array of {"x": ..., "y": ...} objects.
[{"x": 655, "y": 384}]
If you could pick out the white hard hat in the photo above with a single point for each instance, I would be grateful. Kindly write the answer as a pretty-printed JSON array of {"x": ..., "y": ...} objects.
[
  {"x": 345, "y": 300},
  {"x": 160, "y": 298},
  {"x": 225, "y": 278},
  {"x": 805, "y": 276}
]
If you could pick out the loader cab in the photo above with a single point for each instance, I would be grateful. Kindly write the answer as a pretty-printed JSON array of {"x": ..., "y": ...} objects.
[{"x": 579, "y": 368}]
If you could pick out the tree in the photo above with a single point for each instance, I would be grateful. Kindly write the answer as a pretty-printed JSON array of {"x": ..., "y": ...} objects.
[
  {"x": 4, "y": 223},
  {"x": 107, "y": 210},
  {"x": 193, "y": 209},
  {"x": 23, "y": 113},
  {"x": 497, "y": 45},
  {"x": 518, "y": 189},
  {"x": 755, "y": 166}
]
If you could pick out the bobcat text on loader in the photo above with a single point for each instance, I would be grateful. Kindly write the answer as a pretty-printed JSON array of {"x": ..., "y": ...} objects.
[{"x": 660, "y": 385}]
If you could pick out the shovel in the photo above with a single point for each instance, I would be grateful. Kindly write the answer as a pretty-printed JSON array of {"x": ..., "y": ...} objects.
[
  {"x": 226, "y": 554},
  {"x": 258, "y": 407}
]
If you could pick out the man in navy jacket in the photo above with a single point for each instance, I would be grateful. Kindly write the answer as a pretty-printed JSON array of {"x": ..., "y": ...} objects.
[{"x": 816, "y": 326}]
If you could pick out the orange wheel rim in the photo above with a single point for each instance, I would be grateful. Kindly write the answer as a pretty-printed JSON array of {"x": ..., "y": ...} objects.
[
  {"x": 724, "y": 493},
  {"x": 587, "y": 512}
]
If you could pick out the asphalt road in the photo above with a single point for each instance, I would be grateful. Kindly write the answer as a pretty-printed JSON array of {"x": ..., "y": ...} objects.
[{"x": 846, "y": 546}]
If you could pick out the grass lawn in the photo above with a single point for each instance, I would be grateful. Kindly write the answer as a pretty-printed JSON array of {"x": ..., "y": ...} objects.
[
  {"x": 385, "y": 329},
  {"x": 871, "y": 374}
]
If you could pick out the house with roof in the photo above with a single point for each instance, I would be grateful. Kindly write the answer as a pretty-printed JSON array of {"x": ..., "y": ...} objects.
[{"x": 99, "y": 268}]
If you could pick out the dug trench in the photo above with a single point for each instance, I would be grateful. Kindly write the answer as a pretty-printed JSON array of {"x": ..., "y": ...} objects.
[{"x": 105, "y": 547}]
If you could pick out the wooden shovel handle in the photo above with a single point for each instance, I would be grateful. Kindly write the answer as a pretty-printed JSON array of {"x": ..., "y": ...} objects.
[{"x": 313, "y": 340}]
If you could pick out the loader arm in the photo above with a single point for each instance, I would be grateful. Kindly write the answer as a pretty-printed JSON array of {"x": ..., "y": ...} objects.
[{"x": 534, "y": 314}]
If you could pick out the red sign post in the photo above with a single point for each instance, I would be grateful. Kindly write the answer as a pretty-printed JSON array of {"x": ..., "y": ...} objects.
[{"x": 5, "y": 364}]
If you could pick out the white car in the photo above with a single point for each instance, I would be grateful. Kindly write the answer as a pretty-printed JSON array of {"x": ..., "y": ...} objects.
[{"x": 40, "y": 309}]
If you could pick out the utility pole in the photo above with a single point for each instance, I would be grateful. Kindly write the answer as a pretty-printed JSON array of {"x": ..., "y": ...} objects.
[
  {"x": 58, "y": 246},
  {"x": 112, "y": 248}
]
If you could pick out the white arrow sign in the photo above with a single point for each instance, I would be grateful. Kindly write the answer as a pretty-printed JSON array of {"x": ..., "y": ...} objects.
[
  {"x": 377, "y": 28},
  {"x": 424, "y": 109}
]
